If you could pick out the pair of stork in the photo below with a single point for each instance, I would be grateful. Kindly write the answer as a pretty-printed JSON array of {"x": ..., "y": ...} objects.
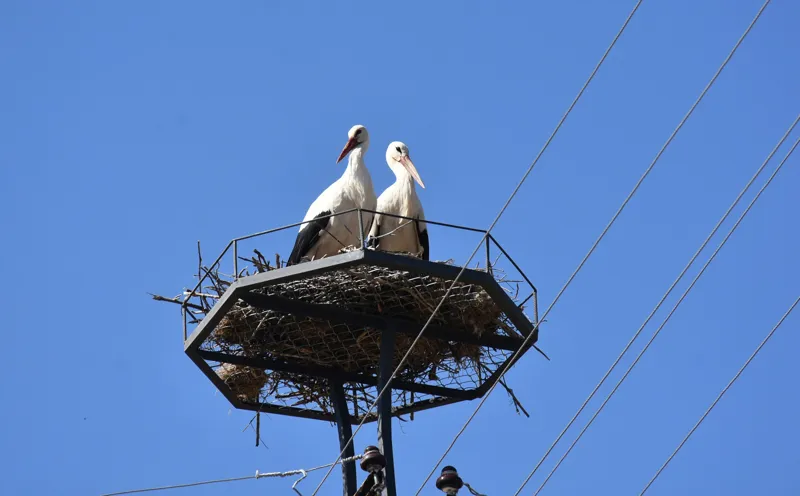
[{"x": 324, "y": 234}]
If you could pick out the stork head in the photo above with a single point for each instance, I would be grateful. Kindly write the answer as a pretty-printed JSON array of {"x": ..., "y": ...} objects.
[
  {"x": 398, "y": 159},
  {"x": 357, "y": 136}
]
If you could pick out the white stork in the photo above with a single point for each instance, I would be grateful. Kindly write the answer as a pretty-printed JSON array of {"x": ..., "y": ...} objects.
[
  {"x": 326, "y": 236},
  {"x": 391, "y": 233}
]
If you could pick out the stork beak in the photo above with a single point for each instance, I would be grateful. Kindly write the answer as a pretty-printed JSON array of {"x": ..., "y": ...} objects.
[
  {"x": 409, "y": 165},
  {"x": 351, "y": 143}
]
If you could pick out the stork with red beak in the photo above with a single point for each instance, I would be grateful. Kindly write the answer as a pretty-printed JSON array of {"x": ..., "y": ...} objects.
[
  {"x": 322, "y": 234},
  {"x": 391, "y": 233}
]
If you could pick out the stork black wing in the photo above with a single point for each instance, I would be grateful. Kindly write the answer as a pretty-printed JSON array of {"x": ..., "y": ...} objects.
[
  {"x": 307, "y": 236},
  {"x": 423, "y": 241}
]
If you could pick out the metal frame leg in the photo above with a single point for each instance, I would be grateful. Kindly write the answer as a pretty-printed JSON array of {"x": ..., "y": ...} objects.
[
  {"x": 385, "y": 370},
  {"x": 339, "y": 401}
]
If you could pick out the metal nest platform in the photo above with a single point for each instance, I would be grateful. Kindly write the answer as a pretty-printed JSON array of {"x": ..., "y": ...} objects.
[{"x": 316, "y": 339}]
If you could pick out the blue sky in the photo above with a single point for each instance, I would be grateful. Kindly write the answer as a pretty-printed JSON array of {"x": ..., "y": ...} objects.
[{"x": 129, "y": 130}]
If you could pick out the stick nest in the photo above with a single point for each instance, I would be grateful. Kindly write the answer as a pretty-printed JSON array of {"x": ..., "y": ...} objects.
[
  {"x": 246, "y": 382},
  {"x": 366, "y": 289}
]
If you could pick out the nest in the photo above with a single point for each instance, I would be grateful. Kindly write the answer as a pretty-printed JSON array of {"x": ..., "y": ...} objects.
[
  {"x": 366, "y": 289},
  {"x": 245, "y": 382},
  {"x": 369, "y": 290}
]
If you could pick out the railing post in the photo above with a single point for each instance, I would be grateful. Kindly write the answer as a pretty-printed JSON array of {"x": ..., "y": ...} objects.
[
  {"x": 488, "y": 256},
  {"x": 235, "y": 260},
  {"x": 183, "y": 314},
  {"x": 360, "y": 229}
]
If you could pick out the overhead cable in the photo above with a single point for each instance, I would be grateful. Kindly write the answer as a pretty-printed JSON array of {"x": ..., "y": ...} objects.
[
  {"x": 719, "y": 397},
  {"x": 661, "y": 302},
  {"x": 666, "y": 319},
  {"x": 611, "y": 222},
  {"x": 258, "y": 475},
  {"x": 483, "y": 239}
]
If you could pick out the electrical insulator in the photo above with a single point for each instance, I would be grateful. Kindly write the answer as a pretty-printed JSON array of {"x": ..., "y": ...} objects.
[
  {"x": 449, "y": 482},
  {"x": 373, "y": 460}
]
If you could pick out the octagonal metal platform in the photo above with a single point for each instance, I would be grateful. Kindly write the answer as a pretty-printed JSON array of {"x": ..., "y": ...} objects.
[
  {"x": 254, "y": 291},
  {"x": 363, "y": 325}
]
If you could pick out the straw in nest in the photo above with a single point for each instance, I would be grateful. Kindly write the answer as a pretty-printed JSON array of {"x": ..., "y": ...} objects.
[
  {"x": 370, "y": 290},
  {"x": 245, "y": 382}
]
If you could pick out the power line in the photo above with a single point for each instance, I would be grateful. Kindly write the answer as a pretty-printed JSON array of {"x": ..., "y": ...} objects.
[
  {"x": 675, "y": 307},
  {"x": 178, "y": 486},
  {"x": 721, "y": 394},
  {"x": 661, "y": 302},
  {"x": 258, "y": 475},
  {"x": 483, "y": 239},
  {"x": 611, "y": 222}
]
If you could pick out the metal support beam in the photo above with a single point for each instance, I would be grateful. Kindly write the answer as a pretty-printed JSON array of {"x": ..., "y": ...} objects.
[
  {"x": 385, "y": 369},
  {"x": 419, "y": 266},
  {"x": 305, "y": 269},
  {"x": 330, "y": 373},
  {"x": 339, "y": 402}
]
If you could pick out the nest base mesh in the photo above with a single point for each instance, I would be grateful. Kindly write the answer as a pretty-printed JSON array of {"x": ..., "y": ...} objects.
[{"x": 251, "y": 332}]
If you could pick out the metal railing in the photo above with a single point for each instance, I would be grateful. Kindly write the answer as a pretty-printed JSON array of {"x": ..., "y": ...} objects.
[{"x": 233, "y": 244}]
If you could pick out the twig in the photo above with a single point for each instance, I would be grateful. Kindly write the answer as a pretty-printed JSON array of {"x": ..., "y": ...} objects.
[
  {"x": 176, "y": 300},
  {"x": 517, "y": 404},
  {"x": 258, "y": 428},
  {"x": 261, "y": 258},
  {"x": 199, "y": 261},
  {"x": 204, "y": 295}
]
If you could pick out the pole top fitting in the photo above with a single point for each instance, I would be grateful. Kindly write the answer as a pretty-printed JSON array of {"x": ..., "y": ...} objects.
[
  {"x": 449, "y": 482},
  {"x": 373, "y": 460}
]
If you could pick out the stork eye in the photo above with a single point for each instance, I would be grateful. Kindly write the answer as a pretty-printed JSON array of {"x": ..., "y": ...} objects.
[
  {"x": 358, "y": 131},
  {"x": 398, "y": 149}
]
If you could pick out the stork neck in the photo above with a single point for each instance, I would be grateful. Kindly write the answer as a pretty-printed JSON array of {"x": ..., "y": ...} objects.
[
  {"x": 355, "y": 162},
  {"x": 401, "y": 175}
]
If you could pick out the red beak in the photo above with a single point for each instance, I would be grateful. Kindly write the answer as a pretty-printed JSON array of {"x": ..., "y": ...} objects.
[{"x": 351, "y": 143}]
